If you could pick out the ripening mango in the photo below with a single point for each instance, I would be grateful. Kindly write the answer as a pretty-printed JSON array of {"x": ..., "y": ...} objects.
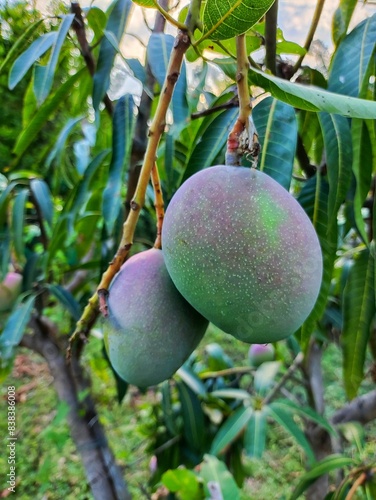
[{"x": 243, "y": 252}]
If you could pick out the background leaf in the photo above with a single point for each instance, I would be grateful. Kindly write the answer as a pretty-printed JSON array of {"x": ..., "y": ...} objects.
[
  {"x": 15, "y": 327},
  {"x": 43, "y": 199},
  {"x": 67, "y": 300},
  {"x": 219, "y": 483},
  {"x": 255, "y": 434},
  {"x": 231, "y": 429},
  {"x": 341, "y": 19},
  {"x": 18, "y": 222},
  {"x": 193, "y": 417}
]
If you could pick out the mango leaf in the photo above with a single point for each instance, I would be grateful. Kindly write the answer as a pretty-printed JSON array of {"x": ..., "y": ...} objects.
[
  {"x": 255, "y": 434},
  {"x": 123, "y": 121},
  {"x": 228, "y": 393},
  {"x": 362, "y": 169},
  {"x": 169, "y": 416},
  {"x": 97, "y": 20},
  {"x": 45, "y": 111},
  {"x": 18, "y": 222},
  {"x": 146, "y": 3},
  {"x": 326, "y": 465},
  {"x": 184, "y": 482},
  {"x": 24, "y": 62},
  {"x": 265, "y": 376},
  {"x": 193, "y": 417},
  {"x": 121, "y": 385},
  {"x": 285, "y": 419},
  {"x": 341, "y": 19},
  {"x": 115, "y": 25},
  {"x": 337, "y": 140},
  {"x": 43, "y": 75},
  {"x": 192, "y": 380},
  {"x": 224, "y": 19},
  {"x": 67, "y": 300},
  {"x": 158, "y": 54},
  {"x": 231, "y": 429},
  {"x": 307, "y": 413},
  {"x": 276, "y": 125},
  {"x": 15, "y": 327},
  {"x": 218, "y": 481},
  {"x": 312, "y": 98},
  {"x": 137, "y": 69},
  {"x": 212, "y": 142},
  {"x": 43, "y": 199},
  {"x": 358, "y": 312},
  {"x": 59, "y": 147},
  {"x": 21, "y": 42},
  {"x": 311, "y": 135},
  {"x": 351, "y": 61},
  {"x": 314, "y": 200},
  {"x": 216, "y": 358}
]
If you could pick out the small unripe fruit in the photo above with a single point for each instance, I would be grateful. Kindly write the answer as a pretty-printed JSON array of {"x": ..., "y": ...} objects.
[
  {"x": 259, "y": 353},
  {"x": 151, "y": 330},
  {"x": 10, "y": 289},
  {"x": 243, "y": 252}
]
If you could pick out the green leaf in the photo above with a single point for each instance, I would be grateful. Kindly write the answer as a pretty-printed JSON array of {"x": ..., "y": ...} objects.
[
  {"x": 169, "y": 416},
  {"x": 227, "y": 393},
  {"x": 314, "y": 200},
  {"x": 306, "y": 412},
  {"x": 67, "y": 300},
  {"x": 276, "y": 125},
  {"x": 43, "y": 199},
  {"x": 255, "y": 434},
  {"x": 24, "y": 62},
  {"x": 284, "y": 418},
  {"x": 265, "y": 376},
  {"x": 337, "y": 140},
  {"x": 312, "y": 98},
  {"x": 216, "y": 358},
  {"x": 351, "y": 62},
  {"x": 358, "y": 312},
  {"x": 115, "y": 25},
  {"x": 192, "y": 380},
  {"x": 212, "y": 142},
  {"x": 145, "y": 3},
  {"x": 97, "y": 20},
  {"x": 193, "y": 417},
  {"x": 15, "y": 327},
  {"x": 311, "y": 136},
  {"x": 341, "y": 19},
  {"x": 45, "y": 111},
  {"x": 184, "y": 482},
  {"x": 225, "y": 19},
  {"x": 44, "y": 75},
  {"x": 18, "y": 222},
  {"x": 219, "y": 483},
  {"x": 231, "y": 429},
  {"x": 57, "y": 151},
  {"x": 122, "y": 127},
  {"x": 362, "y": 165},
  {"x": 319, "y": 469},
  {"x": 158, "y": 53}
]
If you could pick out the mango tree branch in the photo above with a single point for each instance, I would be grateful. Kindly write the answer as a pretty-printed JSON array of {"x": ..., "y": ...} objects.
[
  {"x": 158, "y": 203},
  {"x": 157, "y": 127}
]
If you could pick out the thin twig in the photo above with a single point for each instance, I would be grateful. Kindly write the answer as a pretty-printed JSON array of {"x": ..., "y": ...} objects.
[
  {"x": 360, "y": 480},
  {"x": 158, "y": 203},
  {"x": 296, "y": 363}
]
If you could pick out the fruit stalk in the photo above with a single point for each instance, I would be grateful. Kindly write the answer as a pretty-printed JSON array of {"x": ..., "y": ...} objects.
[
  {"x": 158, "y": 203},
  {"x": 182, "y": 42}
]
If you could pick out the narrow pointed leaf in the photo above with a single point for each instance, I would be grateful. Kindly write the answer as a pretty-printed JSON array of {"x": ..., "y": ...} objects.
[
  {"x": 358, "y": 313},
  {"x": 44, "y": 75},
  {"x": 341, "y": 19},
  {"x": 218, "y": 481},
  {"x": 43, "y": 199},
  {"x": 326, "y": 465},
  {"x": 24, "y": 62},
  {"x": 59, "y": 147},
  {"x": 18, "y": 222},
  {"x": 193, "y": 417},
  {"x": 284, "y": 418},
  {"x": 276, "y": 125},
  {"x": 337, "y": 140},
  {"x": 255, "y": 434},
  {"x": 265, "y": 376},
  {"x": 351, "y": 62},
  {"x": 225, "y": 19},
  {"x": 231, "y": 429},
  {"x": 192, "y": 380},
  {"x": 146, "y": 3},
  {"x": 67, "y": 300},
  {"x": 231, "y": 394},
  {"x": 16, "y": 324},
  {"x": 115, "y": 25},
  {"x": 121, "y": 141},
  {"x": 306, "y": 412},
  {"x": 167, "y": 408},
  {"x": 158, "y": 53},
  {"x": 212, "y": 142}
]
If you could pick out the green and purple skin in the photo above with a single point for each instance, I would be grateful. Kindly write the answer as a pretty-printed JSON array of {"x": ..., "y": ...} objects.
[
  {"x": 10, "y": 289},
  {"x": 243, "y": 252},
  {"x": 151, "y": 330}
]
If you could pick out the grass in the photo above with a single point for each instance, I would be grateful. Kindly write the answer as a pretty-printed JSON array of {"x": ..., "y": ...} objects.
[{"x": 49, "y": 468}]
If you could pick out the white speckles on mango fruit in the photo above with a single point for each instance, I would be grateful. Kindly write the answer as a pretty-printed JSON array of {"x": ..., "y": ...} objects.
[{"x": 236, "y": 245}]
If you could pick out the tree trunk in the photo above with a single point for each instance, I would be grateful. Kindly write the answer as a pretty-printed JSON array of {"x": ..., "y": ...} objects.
[{"x": 103, "y": 475}]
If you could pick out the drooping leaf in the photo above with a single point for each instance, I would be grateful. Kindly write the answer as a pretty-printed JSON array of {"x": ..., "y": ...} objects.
[
  {"x": 225, "y": 19},
  {"x": 121, "y": 141},
  {"x": 255, "y": 434},
  {"x": 362, "y": 169},
  {"x": 24, "y": 62},
  {"x": 211, "y": 143},
  {"x": 43, "y": 199},
  {"x": 341, "y": 19},
  {"x": 43, "y": 75},
  {"x": 158, "y": 53},
  {"x": 231, "y": 429},
  {"x": 18, "y": 222},
  {"x": 137, "y": 68},
  {"x": 96, "y": 19},
  {"x": 358, "y": 312},
  {"x": 45, "y": 111},
  {"x": 276, "y": 125},
  {"x": 169, "y": 416},
  {"x": 192, "y": 380},
  {"x": 326, "y": 465},
  {"x": 351, "y": 61},
  {"x": 312, "y": 98},
  {"x": 216, "y": 358},
  {"x": 193, "y": 417},
  {"x": 115, "y": 25},
  {"x": 337, "y": 140},
  {"x": 59, "y": 147},
  {"x": 311, "y": 136},
  {"x": 15, "y": 327},
  {"x": 265, "y": 376},
  {"x": 67, "y": 300},
  {"x": 218, "y": 481}
]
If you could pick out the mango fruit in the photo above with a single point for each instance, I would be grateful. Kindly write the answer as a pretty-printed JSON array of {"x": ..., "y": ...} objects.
[
  {"x": 10, "y": 289},
  {"x": 243, "y": 252},
  {"x": 260, "y": 353},
  {"x": 151, "y": 329}
]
